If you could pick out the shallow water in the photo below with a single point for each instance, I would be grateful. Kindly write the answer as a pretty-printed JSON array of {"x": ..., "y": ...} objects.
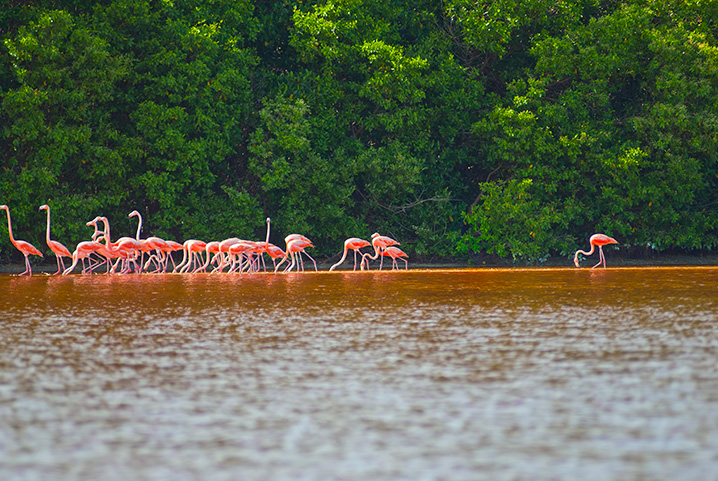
[{"x": 419, "y": 375}]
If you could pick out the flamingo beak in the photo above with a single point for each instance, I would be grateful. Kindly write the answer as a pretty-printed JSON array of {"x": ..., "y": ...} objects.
[{"x": 575, "y": 261}]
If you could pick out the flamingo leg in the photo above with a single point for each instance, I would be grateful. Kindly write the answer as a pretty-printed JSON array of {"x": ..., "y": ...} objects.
[
  {"x": 601, "y": 259},
  {"x": 27, "y": 266}
]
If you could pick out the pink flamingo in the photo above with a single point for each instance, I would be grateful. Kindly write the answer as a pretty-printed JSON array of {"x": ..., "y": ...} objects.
[
  {"x": 164, "y": 255},
  {"x": 84, "y": 249},
  {"x": 224, "y": 257},
  {"x": 355, "y": 244},
  {"x": 56, "y": 247},
  {"x": 172, "y": 246},
  {"x": 23, "y": 246},
  {"x": 275, "y": 253},
  {"x": 237, "y": 251},
  {"x": 300, "y": 243},
  {"x": 395, "y": 253},
  {"x": 125, "y": 248},
  {"x": 599, "y": 240},
  {"x": 295, "y": 247},
  {"x": 263, "y": 247},
  {"x": 211, "y": 247},
  {"x": 379, "y": 242},
  {"x": 150, "y": 244},
  {"x": 104, "y": 251},
  {"x": 193, "y": 249}
]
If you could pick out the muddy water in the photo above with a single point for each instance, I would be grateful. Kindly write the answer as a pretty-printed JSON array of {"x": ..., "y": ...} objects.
[{"x": 419, "y": 375}]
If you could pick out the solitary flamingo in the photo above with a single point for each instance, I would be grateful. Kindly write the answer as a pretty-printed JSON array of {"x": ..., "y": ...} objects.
[
  {"x": 23, "y": 246},
  {"x": 395, "y": 253},
  {"x": 56, "y": 247},
  {"x": 355, "y": 244},
  {"x": 599, "y": 240}
]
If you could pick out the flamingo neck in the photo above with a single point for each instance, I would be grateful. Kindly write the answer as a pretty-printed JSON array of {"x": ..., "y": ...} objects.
[
  {"x": 107, "y": 233},
  {"x": 376, "y": 252},
  {"x": 344, "y": 256},
  {"x": 269, "y": 227},
  {"x": 47, "y": 236},
  {"x": 9, "y": 226},
  {"x": 593, "y": 248},
  {"x": 139, "y": 227}
]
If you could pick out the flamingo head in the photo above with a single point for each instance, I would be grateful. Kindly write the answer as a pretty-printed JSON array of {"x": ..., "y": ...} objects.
[
  {"x": 575, "y": 261},
  {"x": 134, "y": 213},
  {"x": 44, "y": 207}
]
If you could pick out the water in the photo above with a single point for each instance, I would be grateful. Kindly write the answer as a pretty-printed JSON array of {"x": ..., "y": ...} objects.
[{"x": 544, "y": 374}]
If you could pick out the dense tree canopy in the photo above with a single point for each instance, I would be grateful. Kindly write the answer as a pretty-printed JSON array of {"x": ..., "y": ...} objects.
[{"x": 511, "y": 127}]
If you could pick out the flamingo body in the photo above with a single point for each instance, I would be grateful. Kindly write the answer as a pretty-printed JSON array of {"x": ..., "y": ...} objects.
[
  {"x": 56, "y": 247},
  {"x": 395, "y": 253},
  {"x": 24, "y": 247},
  {"x": 599, "y": 240},
  {"x": 355, "y": 244}
]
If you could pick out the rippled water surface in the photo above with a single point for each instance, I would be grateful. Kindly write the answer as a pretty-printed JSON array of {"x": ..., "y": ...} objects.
[{"x": 422, "y": 375}]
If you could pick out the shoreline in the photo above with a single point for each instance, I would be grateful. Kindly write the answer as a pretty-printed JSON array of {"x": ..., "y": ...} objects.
[{"x": 658, "y": 261}]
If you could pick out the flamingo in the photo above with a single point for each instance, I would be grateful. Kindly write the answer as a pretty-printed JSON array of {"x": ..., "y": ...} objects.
[
  {"x": 599, "y": 240},
  {"x": 295, "y": 247},
  {"x": 224, "y": 246},
  {"x": 263, "y": 247},
  {"x": 56, "y": 247},
  {"x": 23, "y": 246},
  {"x": 355, "y": 244},
  {"x": 148, "y": 245},
  {"x": 395, "y": 253},
  {"x": 164, "y": 255},
  {"x": 193, "y": 249},
  {"x": 298, "y": 249},
  {"x": 85, "y": 248},
  {"x": 275, "y": 253},
  {"x": 211, "y": 247},
  {"x": 104, "y": 251},
  {"x": 379, "y": 242},
  {"x": 83, "y": 251},
  {"x": 237, "y": 251},
  {"x": 125, "y": 248},
  {"x": 172, "y": 246}
]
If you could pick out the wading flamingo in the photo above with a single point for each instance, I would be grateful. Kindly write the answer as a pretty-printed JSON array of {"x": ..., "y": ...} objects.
[
  {"x": 23, "y": 246},
  {"x": 355, "y": 244},
  {"x": 599, "y": 240},
  {"x": 84, "y": 249},
  {"x": 275, "y": 253},
  {"x": 263, "y": 246},
  {"x": 395, "y": 253},
  {"x": 295, "y": 247},
  {"x": 56, "y": 247},
  {"x": 150, "y": 244},
  {"x": 192, "y": 257},
  {"x": 379, "y": 242}
]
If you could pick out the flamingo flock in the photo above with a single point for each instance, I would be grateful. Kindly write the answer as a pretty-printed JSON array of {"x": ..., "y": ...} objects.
[{"x": 153, "y": 254}]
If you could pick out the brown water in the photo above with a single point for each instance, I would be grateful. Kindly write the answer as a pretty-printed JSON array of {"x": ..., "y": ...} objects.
[{"x": 545, "y": 374}]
